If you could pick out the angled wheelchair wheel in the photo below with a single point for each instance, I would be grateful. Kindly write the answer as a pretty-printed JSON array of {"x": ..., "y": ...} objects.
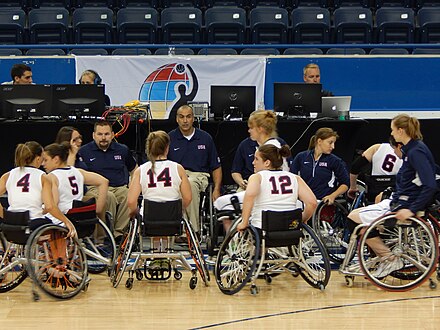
[
  {"x": 330, "y": 224},
  {"x": 312, "y": 260},
  {"x": 196, "y": 253},
  {"x": 237, "y": 260},
  {"x": 12, "y": 265},
  {"x": 56, "y": 263},
  {"x": 123, "y": 255},
  {"x": 100, "y": 251},
  {"x": 415, "y": 250}
]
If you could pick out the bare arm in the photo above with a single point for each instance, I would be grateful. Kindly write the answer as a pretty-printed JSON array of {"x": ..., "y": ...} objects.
[
  {"x": 238, "y": 178},
  {"x": 134, "y": 190},
  {"x": 368, "y": 155},
  {"x": 3, "y": 180},
  {"x": 97, "y": 180},
  {"x": 330, "y": 199},
  {"x": 185, "y": 187},
  {"x": 52, "y": 208},
  {"x": 307, "y": 196},
  {"x": 54, "y": 183},
  {"x": 252, "y": 191},
  {"x": 217, "y": 178}
]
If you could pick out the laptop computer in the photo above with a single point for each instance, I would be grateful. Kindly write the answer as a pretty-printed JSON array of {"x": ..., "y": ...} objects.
[{"x": 333, "y": 104}]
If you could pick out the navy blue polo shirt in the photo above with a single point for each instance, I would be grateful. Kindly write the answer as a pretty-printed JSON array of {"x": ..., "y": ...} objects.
[
  {"x": 114, "y": 164},
  {"x": 244, "y": 156},
  {"x": 197, "y": 154}
]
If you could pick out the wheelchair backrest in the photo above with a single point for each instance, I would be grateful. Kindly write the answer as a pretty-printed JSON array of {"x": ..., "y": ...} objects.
[
  {"x": 82, "y": 210},
  {"x": 162, "y": 218},
  {"x": 281, "y": 228},
  {"x": 15, "y": 226},
  {"x": 375, "y": 184}
]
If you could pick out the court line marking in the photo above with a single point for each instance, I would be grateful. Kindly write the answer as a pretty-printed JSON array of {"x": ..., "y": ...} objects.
[{"x": 311, "y": 310}]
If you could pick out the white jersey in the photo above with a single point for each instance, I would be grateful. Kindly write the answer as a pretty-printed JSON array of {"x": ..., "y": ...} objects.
[
  {"x": 278, "y": 192},
  {"x": 24, "y": 188},
  {"x": 70, "y": 187},
  {"x": 164, "y": 184},
  {"x": 385, "y": 161}
]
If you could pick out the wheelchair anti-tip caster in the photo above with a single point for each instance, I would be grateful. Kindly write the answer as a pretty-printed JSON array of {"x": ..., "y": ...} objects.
[
  {"x": 193, "y": 282},
  {"x": 432, "y": 284},
  {"x": 177, "y": 275},
  {"x": 268, "y": 279},
  {"x": 349, "y": 281},
  {"x": 35, "y": 296},
  {"x": 254, "y": 289},
  {"x": 129, "y": 283},
  {"x": 139, "y": 275}
]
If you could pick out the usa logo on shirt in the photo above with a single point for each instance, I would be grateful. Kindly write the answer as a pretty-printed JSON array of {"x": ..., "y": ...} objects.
[
  {"x": 201, "y": 147},
  {"x": 323, "y": 164},
  {"x": 118, "y": 157}
]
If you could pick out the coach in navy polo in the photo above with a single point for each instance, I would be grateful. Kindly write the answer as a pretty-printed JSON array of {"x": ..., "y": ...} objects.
[
  {"x": 195, "y": 150},
  {"x": 113, "y": 161}
]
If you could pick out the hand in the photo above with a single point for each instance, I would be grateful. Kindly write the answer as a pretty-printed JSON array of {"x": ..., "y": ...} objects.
[
  {"x": 241, "y": 227},
  {"x": 72, "y": 231},
  {"x": 328, "y": 199},
  {"x": 403, "y": 214},
  {"x": 351, "y": 193},
  {"x": 215, "y": 194},
  {"x": 243, "y": 184}
]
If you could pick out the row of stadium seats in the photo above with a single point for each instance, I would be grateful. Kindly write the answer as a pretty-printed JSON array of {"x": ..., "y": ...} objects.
[
  {"x": 117, "y": 4},
  {"x": 218, "y": 51},
  {"x": 219, "y": 25}
]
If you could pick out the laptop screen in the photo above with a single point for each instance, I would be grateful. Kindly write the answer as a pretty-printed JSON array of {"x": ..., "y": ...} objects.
[{"x": 331, "y": 105}]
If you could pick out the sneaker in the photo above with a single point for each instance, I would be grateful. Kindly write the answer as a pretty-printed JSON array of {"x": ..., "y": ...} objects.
[{"x": 387, "y": 266}]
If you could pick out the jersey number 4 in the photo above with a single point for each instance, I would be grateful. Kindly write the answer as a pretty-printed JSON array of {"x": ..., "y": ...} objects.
[
  {"x": 281, "y": 184},
  {"x": 164, "y": 177},
  {"x": 24, "y": 183}
]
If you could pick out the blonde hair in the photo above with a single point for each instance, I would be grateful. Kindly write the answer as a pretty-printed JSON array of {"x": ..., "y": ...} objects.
[
  {"x": 25, "y": 153},
  {"x": 156, "y": 145},
  {"x": 267, "y": 119},
  {"x": 411, "y": 125},
  {"x": 310, "y": 66},
  {"x": 323, "y": 133}
]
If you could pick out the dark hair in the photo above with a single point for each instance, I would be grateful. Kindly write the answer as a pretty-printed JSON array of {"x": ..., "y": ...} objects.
[
  {"x": 323, "y": 133},
  {"x": 393, "y": 142},
  {"x": 411, "y": 125},
  {"x": 19, "y": 69},
  {"x": 102, "y": 123},
  {"x": 25, "y": 153},
  {"x": 58, "y": 149},
  {"x": 274, "y": 154},
  {"x": 156, "y": 145},
  {"x": 266, "y": 119},
  {"x": 65, "y": 134}
]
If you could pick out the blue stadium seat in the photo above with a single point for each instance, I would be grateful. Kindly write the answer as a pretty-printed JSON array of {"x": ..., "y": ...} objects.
[
  {"x": 45, "y": 52},
  {"x": 389, "y": 51},
  {"x": 181, "y": 25},
  {"x": 394, "y": 3},
  {"x": 95, "y": 3},
  {"x": 138, "y": 3},
  {"x": 215, "y": 3},
  {"x": 302, "y": 51},
  {"x": 131, "y": 51},
  {"x": 92, "y": 25},
  {"x": 353, "y": 3},
  {"x": 268, "y": 25},
  {"x": 260, "y": 51},
  {"x": 422, "y": 51},
  {"x": 353, "y": 25},
  {"x": 429, "y": 22},
  {"x": 395, "y": 25},
  {"x": 225, "y": 25},
  {"x": 137, "y": 25},
  {"x": 68, "y": 4},
  {"x": 177, "y": 51},
  {"x": 10, "y": 52},
  {"x": 14, "y": 4},
  {"x": 311, "y": 25},
  {"x": 88, "y": 51},
  {"x": 426, "y": 3},
  {"x": 217, "y": 51},
  {"x": 345, "y": 51},
  {"x": 309, "y": 3},
  {"x": 49, "y": 25},
  {"x": 12, "y": 23},
  {"x": 181, "y": 3},
  {"x": 268, "y": 3}
]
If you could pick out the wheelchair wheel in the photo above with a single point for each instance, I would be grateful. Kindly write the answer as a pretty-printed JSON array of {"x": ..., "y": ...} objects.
[
  {"x": 313, "y": 263},
  {"x": 57, "y": 264},
  {"x": 10, "y": 255},
  {"x": 196, "y": 253},
  {"x": 124, "y": 252},
  {"x": 330, "y": 224},
  {"x": 100, "y": 255},
  {"x": 237, "y": 260},
  {"x": 413, "y": 243}
]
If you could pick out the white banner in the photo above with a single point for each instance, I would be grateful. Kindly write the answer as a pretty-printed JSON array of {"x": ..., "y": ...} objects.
[{"x": 166, "y": 82}]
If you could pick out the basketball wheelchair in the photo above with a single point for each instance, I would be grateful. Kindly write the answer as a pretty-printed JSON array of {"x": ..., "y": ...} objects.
[
  {"x": 56, "y": 263},
  {"x": 161, "y": 221},
  {"x": 285, "y": 244}
]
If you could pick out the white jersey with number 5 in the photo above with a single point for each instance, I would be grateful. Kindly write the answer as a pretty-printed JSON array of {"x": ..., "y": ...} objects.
[
  {"x": 162, "y": 184},
  {"x": 70, "y": 187},
  {"x": 278, "y": 192},
  {"x": 24, "y": 188}
]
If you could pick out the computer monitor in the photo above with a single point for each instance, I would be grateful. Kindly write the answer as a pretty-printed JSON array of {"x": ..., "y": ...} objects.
[
  {"x": 232, "y": 102},
  {"x": 78, "y": 101},
  {"x": 25, "y": 101},
  {"x": 297, "y": 99}
]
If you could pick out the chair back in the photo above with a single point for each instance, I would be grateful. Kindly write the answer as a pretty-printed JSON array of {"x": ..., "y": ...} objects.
[
  {"x": 83, "y": 216},
  {"x": 162, "y": 218},
  {"x": 15, "y": 226},
  {"x": 281, "y": 228}
]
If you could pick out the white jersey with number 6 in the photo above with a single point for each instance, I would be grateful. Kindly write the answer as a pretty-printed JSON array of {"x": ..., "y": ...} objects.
[{"x": 385, "y": 161}]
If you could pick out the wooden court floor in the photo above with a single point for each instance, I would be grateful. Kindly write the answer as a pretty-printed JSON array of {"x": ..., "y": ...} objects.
[{"x": 286, "y": 303}]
